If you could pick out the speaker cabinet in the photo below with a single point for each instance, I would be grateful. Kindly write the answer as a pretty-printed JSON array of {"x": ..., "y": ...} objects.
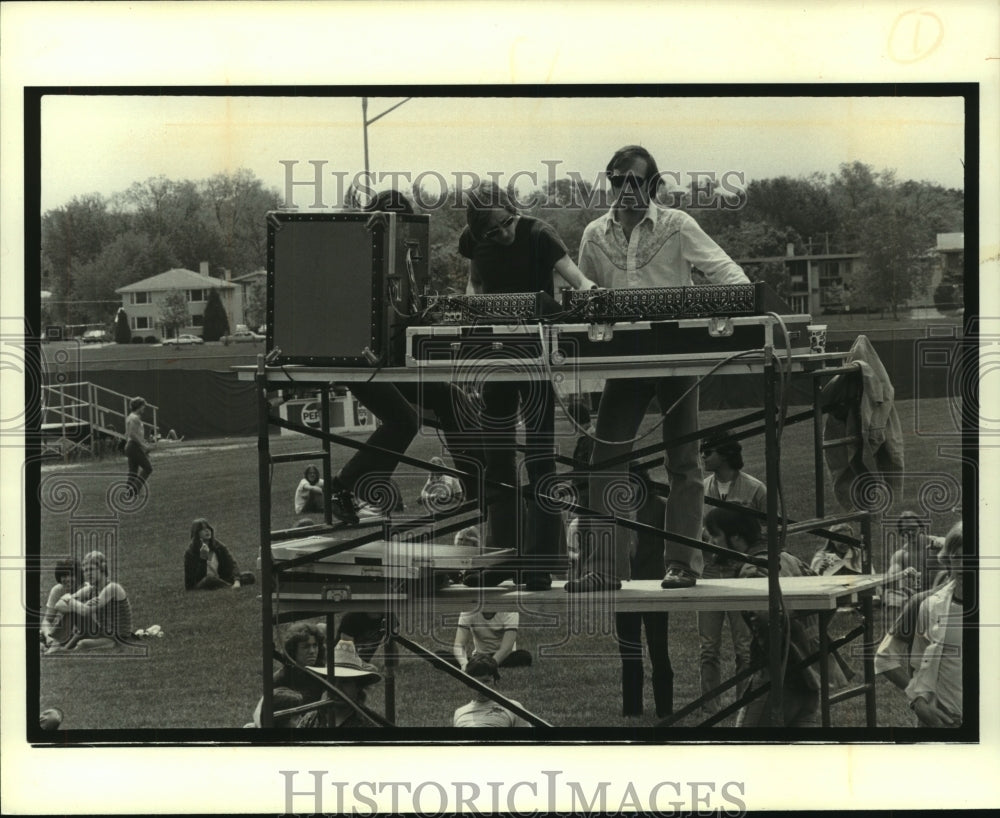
[{"x": 342, "y": 286}]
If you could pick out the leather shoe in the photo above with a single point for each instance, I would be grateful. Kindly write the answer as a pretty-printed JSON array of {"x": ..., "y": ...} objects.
[
  {"x": 539, "y": 581},
  {"x": 678, "y": 576},
  {"x": 592, "y": 582}
]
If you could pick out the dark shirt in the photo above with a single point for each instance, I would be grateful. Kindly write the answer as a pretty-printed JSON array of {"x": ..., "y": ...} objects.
[
  {"x": 368, "y": 632},
  {"x": 301, "y": 682},
  {"x": 524, "y": 266}
]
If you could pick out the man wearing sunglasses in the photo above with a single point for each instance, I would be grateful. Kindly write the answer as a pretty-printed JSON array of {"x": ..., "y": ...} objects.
[
  {"x": 511, "y": 253},
  {"x": 640, "y": 243}
]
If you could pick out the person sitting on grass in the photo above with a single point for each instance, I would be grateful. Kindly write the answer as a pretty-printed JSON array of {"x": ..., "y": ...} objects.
[
  {"x": 57, "y": 629},
  {"x": 913, "y": 565},
  {"x": 208, "y": 565},
  {"x": 293, "y": 685},
  {"x": 309, "y": 492},
  {"x": 739, "y": 531},
  {"x": 102, "y": 608},
  {"x": 935, "y": 691},
  {"x": 492, "y": 634},
  {"x": 895, "y": 653},
  {"x": 835, "y": 557},
  {"x": 351, "y": 676},
  {"x": 482, "y": 711}
]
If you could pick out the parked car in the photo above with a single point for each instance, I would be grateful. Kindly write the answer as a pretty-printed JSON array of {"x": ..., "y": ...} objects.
[
  {"x": 242, "y": 336},
  {"x": 186, "y": 339},
  {"x": 94, "y": 336}
]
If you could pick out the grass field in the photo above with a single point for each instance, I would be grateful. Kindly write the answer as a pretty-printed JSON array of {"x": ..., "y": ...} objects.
[{"x": 205, "y": 671}]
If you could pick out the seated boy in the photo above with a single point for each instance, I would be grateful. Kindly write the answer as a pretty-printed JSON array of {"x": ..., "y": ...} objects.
[{"x": 482, "y": 711}]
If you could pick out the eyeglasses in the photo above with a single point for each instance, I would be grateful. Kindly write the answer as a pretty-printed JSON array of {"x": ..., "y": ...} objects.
[
  {"x": 619, "y": 180},
  {"x": 495, "y": 231}
]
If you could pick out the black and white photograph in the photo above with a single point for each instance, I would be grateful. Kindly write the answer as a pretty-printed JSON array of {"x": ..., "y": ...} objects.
[{"x": 453, "y": 415}]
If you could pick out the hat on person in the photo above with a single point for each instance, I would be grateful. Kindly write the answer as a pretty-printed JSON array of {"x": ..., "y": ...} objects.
[
  {"x": 348, "y": 665},
  {"x": 840, "y": 528}
]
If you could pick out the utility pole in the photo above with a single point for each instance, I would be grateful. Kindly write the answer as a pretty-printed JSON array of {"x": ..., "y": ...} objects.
[{"x": 365, "y": 121}]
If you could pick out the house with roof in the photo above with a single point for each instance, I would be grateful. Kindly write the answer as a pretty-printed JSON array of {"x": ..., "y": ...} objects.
[
  {"x": 143, "y": 300},
  {"x": 246, "y": 283}
]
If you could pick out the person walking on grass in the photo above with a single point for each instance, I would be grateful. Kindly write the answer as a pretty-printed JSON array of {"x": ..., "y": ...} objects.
[{"x": 136, "y": 450}]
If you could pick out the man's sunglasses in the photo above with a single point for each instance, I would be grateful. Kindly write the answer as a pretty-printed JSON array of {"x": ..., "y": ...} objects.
[
  {"x": 495, "y": 231},
  {"x": 617, "y": 182}
]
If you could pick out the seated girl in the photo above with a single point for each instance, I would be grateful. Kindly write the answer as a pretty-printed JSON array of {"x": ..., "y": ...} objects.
[
  {"x": 208, "y": 565},
  {"x": 293, "y": 686},
  {"x": 309, "y": 492},
  {"x": 102, "y": 608},
  {"x": 57, "y": 628}
]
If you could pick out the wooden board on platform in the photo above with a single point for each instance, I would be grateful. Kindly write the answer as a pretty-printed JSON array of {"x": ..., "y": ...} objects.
[
  {"x": 402, "y": 553},
  {"x": 798, "y": 594}
]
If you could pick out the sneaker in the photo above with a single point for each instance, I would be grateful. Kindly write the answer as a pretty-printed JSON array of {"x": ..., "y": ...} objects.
[
  {"x": 678, "y": 576},
  {"x": 367, "y": 511},
  {"x": 343, "y": 506},
  {"x": 591, "y": 582}
]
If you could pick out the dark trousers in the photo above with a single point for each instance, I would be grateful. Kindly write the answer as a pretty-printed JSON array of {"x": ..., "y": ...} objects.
[
  {"x": 398, "y": 428},
  {"x": 139, "y": 467},
  {"x": 460, "y": 426},
  {"x": 533, "y": 527},
  {"x": 621, "y": 412},
  {"x": 629, "y": 631},
  {"x": 648, "y": 562}
]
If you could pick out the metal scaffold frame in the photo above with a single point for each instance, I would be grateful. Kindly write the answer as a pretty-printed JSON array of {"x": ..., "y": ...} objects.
[{"x": 776, "y": 370}]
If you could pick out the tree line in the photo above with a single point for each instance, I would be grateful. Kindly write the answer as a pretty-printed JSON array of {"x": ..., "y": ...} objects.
[{"x": 93, "y": 244}]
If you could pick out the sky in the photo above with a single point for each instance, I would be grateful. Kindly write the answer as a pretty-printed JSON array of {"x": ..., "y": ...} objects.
[{"x": 102, "y": 144}]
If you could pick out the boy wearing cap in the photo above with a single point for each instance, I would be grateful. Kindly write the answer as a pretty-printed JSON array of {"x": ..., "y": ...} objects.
[
  {"x": 723, "y": 459},
  {"x": 482, "y": 711}
]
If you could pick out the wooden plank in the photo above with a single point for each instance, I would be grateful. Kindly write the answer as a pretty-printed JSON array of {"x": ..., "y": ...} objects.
[
  {"x": 381, "y": 552},
  {"x": 798, "y": 594}
]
